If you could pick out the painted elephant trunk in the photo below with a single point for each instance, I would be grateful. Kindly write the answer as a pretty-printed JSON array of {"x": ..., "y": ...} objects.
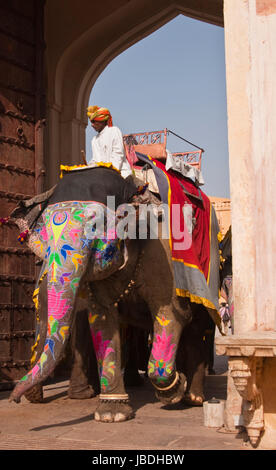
[
  {"x": 66, "y": 261},
  {"x": 66, "y": 236},
  {"x": 59, "y": 322}
]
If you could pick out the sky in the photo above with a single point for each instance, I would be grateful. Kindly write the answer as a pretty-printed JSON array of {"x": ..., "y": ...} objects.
[{"x": 174, "y": 79}]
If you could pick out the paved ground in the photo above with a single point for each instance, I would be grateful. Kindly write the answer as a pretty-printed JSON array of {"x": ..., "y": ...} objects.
[{"x": 64, "y": 424}]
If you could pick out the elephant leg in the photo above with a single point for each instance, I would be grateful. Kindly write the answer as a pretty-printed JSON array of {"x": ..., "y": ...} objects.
[
  {"x": 192, "y": 355},
  {"x": 114, "y": 401},
  {"x": 209, "y": 341},
  {"x": 168, "y": 383},
  {"x": 135, "y": 342},
  {"x": 67, "y": 263},
  {"x": 136, "y": 327},
  {"x": 84, "y": 368},
  {"x": 191, "y": 351}
]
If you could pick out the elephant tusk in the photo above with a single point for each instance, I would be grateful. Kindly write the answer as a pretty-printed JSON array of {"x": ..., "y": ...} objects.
[{"x": 125, "y": 258}]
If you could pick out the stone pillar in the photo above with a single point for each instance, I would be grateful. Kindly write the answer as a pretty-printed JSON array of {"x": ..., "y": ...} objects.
[
  {"x": 250, "y": 38},
  {"x": 65, "y": 140},
  {"x": 70, "y": 142}
]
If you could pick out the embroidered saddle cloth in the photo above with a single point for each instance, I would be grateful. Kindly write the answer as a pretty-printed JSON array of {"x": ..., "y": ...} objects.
[{"x": 193, "y": 233}]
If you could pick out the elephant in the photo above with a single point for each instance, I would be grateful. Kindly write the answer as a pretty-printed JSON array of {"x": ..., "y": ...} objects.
[
  {"x": 191, "y": 360},
  {"x": 226, "y": 275},
  {"x": 105, "y": 275}
]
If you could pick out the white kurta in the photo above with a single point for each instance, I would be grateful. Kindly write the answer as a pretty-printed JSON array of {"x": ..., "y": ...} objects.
[{"x": 108, "y": 147}]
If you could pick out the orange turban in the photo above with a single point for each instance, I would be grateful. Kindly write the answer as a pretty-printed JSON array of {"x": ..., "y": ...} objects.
[{"x": 99, "y": 114}]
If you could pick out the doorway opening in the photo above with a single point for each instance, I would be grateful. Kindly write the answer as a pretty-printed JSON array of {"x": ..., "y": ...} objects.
[{"x": 173, "y": 79}]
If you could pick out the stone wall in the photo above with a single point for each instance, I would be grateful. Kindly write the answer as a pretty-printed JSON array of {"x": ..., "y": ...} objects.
[{"x": 222, "y": 207}]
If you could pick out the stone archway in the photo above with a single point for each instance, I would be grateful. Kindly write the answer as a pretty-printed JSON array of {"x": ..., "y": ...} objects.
[
  {"x": 75, "y": 58},
  {"x": 73, "y": 72}
]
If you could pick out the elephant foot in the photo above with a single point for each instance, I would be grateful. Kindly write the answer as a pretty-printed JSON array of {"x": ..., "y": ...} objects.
[
  {"x": 172, "y": 394},
  {"x": 81, "y": 393},
  {"x": 35, "y": 394},
  {"x": 15, "y": 398},
  {"x": 193, "y": 400},
  {"x": 113, "y": 411}
]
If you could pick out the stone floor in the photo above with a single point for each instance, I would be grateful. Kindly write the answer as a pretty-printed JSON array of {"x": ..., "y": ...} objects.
[{"x": 64, "y": 424}]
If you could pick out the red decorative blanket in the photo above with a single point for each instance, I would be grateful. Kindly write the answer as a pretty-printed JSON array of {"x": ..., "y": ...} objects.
[
  {"x": 190, "y": 211},
  {"x": 193, "y": 235}
]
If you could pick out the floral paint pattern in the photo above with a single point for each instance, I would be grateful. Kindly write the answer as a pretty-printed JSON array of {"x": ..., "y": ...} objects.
[
  {"x": 63, "y": 238},
  {"x": 61, "y": 251},
  {"x": 57, "y": 306},
  {"x": 162, "y": 355},
  {"x": 106, "y": 366}
]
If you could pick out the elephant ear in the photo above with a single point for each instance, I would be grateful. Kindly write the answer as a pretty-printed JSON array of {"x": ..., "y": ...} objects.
[
  {"x": 31, "y": 209},
  {"x": 145, "y": 196}
]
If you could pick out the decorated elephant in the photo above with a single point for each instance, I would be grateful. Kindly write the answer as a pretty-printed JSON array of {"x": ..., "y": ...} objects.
[{"x": 106, "y": 274}]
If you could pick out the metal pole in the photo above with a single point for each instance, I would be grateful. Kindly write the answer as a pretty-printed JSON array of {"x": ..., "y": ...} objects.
[{"x": 199, "y": 148}]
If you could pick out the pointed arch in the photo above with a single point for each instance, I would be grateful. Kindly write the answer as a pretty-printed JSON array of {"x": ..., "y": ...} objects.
[{"x": 86, "y": 56}]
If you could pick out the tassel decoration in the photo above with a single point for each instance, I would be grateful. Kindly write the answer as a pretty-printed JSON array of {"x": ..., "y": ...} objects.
[
  {"x": 4, "y": 220},
  {"x": 22, "y": 236},
  {"x": 142, "y": 189}
]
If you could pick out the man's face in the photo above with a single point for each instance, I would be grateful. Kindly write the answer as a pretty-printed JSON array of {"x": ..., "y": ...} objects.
[{"x": 98, "y": 125}]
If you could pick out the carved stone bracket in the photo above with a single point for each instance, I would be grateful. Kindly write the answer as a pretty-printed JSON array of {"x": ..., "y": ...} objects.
[
  {"x": 246, "y": 361},
  {"x": 246, "y": 373}
]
